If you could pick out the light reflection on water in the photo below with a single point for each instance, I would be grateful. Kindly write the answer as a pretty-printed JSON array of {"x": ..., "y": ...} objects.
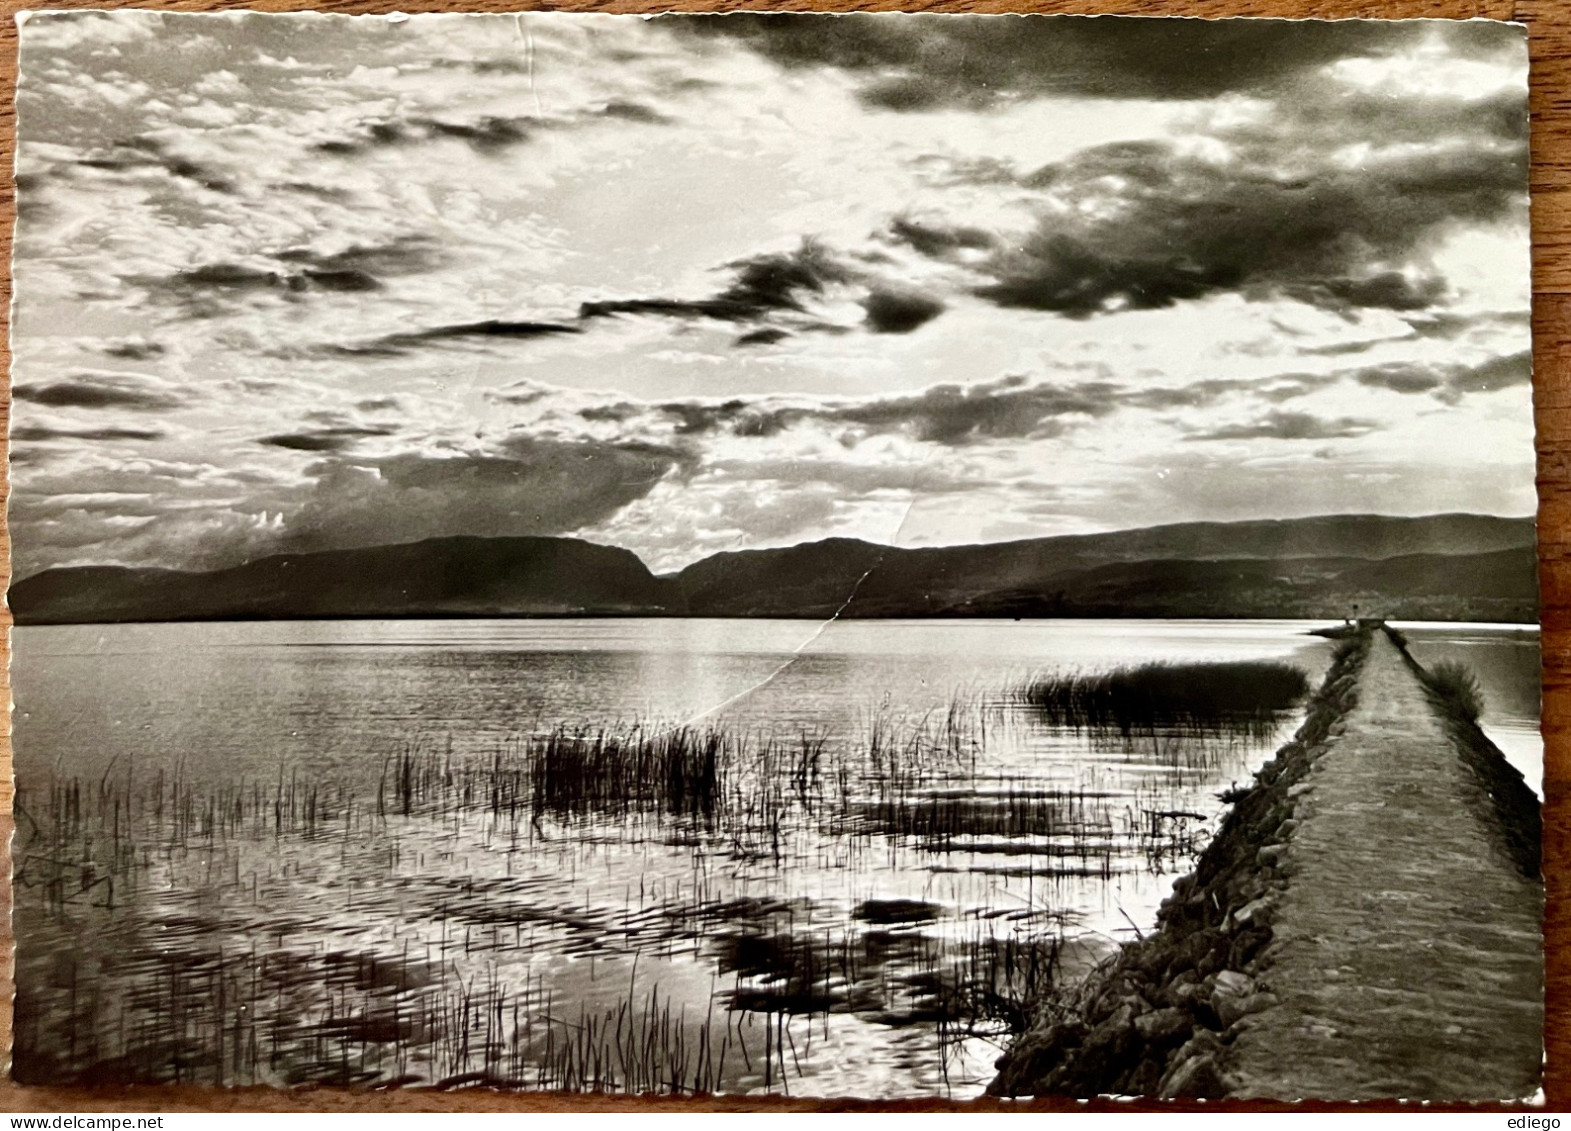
[{"x": 817, "y": 956}]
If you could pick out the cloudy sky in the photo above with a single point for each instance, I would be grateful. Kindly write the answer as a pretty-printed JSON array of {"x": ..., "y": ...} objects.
[{"x": 693, "y": 284}]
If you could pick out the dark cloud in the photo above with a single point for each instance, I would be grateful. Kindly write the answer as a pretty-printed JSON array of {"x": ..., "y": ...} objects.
[
  {"x": 486, "y": 134},
  {"x": 37, "y": 433},
  {"x": 102, "y": 390},
  {"x": 1279, "y": 425},
  {"x": 502, "y": 65},
  {"x": 1342, "y": 349},
  {"x": 1449, "y": 382},
  {"x": 199, "y": 284},
  {"x": 323, "y": 192},
  {"x": 223, "y": 276},
  {"x": 397, "y": 345},
  {"x": 351, "y": 281},
  {"x": 953, "y": 415},
  {"x": 203, "y": 520},
  {"x": 761, "y": 285},
  {"x": 355, "y": 269},
  {"x": 1496, "y": 373},
  {"x": 491, "y": 328},
  {"x": 891, "y": 311},
  {"x": 666, "y": 307},
  {"x": 1208, "y": 391},
  {"x": 1446, "y": 326},
  {"x": 536, "y": 487},
  {"x": 1399, "y": 377},
  {"x": 1140, "y": 225},
  {"x": 1319, "y": 110},
  {"x": 1266, "y": 210},
  {"x": 634, "y": 112},
  {"x": 1057, "y": 272},
  {"x": 323, "y": 439},
  {"x": 1388, "y": 290},
  {"x": 76, "y": 510},
  {"x": 1438, "y": 325},
  {"x": 940, "y": 241},
  {"x": 782, "y": 283},
  {"x": 923, "y": 62},
  {"x": 148, "y": 153},
  {"x": 520, "y": 392},
  {"x": 1197, "y": 394},
  {"x": 408, "y": 255},
  {"x": 135, "y": 349},
  {"x": 697, "y": 418},
  {"x": 767, "y": 336},
  {"x": 612, "y": 413},
  {"x": 741, "y": 418},
  {"x": 958, "y": 414}
]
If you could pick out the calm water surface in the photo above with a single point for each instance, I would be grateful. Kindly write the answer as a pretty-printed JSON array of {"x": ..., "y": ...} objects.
[{"x": 240, "y": 895}]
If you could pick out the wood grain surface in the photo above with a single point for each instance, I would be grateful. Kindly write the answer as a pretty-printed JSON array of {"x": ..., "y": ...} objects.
[{"x": 1549, "y": 27}]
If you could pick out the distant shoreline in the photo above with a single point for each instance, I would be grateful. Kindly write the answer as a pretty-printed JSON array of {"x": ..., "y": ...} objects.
[{"x": 1439, "y": 567}]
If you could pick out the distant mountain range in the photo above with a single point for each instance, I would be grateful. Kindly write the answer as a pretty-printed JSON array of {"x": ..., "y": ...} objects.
[{"x": 1438, "y": 567}]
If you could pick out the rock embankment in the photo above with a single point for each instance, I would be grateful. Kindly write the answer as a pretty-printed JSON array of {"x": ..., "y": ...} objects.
[{"x": 1364, "y": 924}]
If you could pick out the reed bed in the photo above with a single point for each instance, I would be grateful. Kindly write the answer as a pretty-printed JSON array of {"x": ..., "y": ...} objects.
[
  {"x": 1243, "y": 697},
  {"x": 162, "y": 998},
  {"x": 89, "y": 837}
]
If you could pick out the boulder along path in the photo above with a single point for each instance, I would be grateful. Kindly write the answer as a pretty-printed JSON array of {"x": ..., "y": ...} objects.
[
  {"x": 1366, "y": 924},
  {"x": 1407, "y": 945}
]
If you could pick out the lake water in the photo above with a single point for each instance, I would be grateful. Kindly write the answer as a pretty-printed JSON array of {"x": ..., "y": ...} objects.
[{"x": 347, "y": 851}]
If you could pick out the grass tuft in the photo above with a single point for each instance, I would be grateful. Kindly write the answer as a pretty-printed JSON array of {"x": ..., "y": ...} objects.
[{"x": 1455, "y": 689}]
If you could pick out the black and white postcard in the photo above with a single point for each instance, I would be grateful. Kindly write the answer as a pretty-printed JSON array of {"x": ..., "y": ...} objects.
[{"x": 882, "y": 555}]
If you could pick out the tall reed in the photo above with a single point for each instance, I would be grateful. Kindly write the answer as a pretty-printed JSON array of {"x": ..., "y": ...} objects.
[{"x": 1245, "y": 696}]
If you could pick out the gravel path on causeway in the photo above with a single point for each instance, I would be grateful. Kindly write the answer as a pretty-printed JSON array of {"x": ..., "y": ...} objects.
[{"x": 1407, "y": 947}]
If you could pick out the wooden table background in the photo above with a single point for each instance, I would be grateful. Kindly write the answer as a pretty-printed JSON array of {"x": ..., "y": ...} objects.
[{"x": 1549, "y": 30}]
